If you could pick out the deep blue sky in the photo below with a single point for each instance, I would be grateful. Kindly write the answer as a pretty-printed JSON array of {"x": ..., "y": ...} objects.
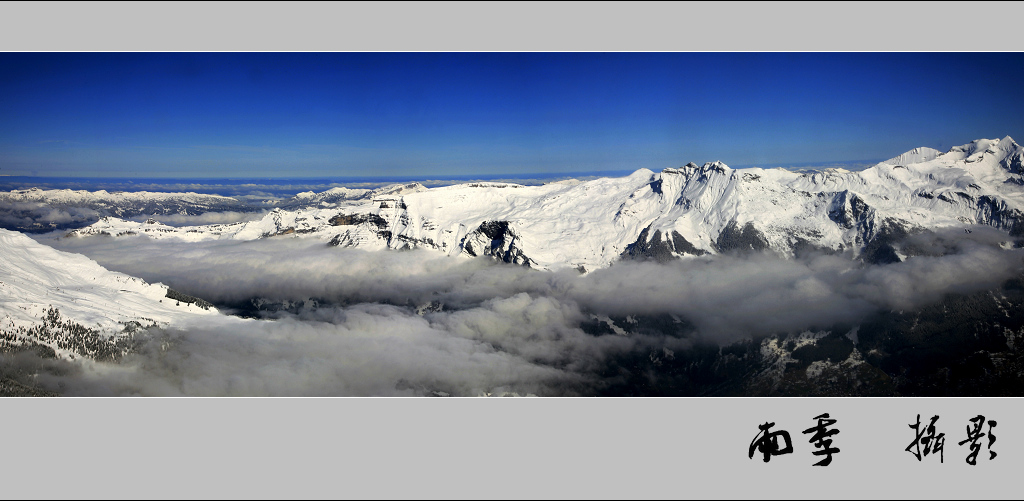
[{"x": 424, "y": 114}]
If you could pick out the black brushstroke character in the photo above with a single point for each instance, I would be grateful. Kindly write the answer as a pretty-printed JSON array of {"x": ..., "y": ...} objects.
[
  {"x": 768, "y": 443},
  {"x": 931, "y": 441},
  {"x": 973, "y": 436},
  {"x": 820, "y": 439}
]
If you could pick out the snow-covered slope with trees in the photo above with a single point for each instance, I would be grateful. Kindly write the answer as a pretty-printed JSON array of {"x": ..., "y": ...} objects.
[
  {"x": 71, "y": 305},
  {"x": 692, "y": 210}
]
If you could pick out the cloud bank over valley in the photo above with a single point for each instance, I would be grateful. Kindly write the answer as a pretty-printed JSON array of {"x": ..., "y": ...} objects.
[{"x": 333, "y": 321}]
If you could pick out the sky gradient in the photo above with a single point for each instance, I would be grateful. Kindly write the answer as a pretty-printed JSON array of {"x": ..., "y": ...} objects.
[{"x": 291, "y": 115}]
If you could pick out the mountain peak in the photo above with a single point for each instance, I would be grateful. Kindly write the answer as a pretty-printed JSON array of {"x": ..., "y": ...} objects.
[
  {"x": 1006, "y": 144},
  {"x": 641, "y": 173},
  {"x": 916, "y": 155},
  {"x": 717, "y": 165},
  {"x": 400, "y": 189}
]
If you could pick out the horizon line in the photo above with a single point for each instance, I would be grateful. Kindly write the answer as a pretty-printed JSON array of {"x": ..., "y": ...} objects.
[{"x": 441, "y": 177}]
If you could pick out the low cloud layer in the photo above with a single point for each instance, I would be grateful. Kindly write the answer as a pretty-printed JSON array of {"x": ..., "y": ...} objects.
[
  {"x": 502, "y": 328},
  {"x": 19, "y": 214},
  {"x": 39, "y": 216},
  {"x": 369, "y": 350}
]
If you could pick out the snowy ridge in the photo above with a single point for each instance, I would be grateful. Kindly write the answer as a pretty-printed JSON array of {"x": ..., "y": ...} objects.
[
  {"x": 334, "y": 196},
  {"x": 691, "y": 210},
  {"x": 72, "y": 305},
  {"x": 83, "y": 197},
  {"x": 914, "y": 156}
]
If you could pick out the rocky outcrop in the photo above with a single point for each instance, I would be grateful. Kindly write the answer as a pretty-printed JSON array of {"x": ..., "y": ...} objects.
[
  {"x": 735, "y": 239},
  {"x": 658, "y": 249},
  {"x": 497, "y": 240}
]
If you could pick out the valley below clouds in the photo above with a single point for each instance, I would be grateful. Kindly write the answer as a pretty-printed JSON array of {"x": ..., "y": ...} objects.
[{"x": 315, "y": 320}]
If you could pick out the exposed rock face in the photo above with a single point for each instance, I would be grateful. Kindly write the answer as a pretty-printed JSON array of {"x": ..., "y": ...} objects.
[
  {"x": 354, "y": 219},
  {"x": 495, "y": 239},
  {"x": 743, "y": 240},
  {"x": 850, "y": 211},
  {"x": 660, "y": 250}
]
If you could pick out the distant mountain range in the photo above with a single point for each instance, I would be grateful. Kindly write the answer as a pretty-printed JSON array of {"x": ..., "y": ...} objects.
[
  {"x": 692, "y": 210},
  {"x": 39, "y": 211}
]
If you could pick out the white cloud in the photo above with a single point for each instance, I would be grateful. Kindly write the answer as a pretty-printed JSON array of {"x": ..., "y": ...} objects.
[{"x": 504, "y": 328}]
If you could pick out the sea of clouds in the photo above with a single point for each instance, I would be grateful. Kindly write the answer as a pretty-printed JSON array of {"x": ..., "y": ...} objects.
[{"x": 359, "y": 322}]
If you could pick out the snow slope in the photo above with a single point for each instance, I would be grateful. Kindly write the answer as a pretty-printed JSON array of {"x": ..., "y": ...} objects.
[
  {"x": 691, "y": 210},
  {"x": 74, "y": 306}
]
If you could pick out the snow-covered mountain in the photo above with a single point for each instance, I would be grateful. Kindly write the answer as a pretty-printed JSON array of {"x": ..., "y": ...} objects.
[
  {"x": 692, "y": 210},
  {"x": 71, "y": 305},
  {"x": 112, "y": 199},
  {"x": 340, "y": 195}
]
